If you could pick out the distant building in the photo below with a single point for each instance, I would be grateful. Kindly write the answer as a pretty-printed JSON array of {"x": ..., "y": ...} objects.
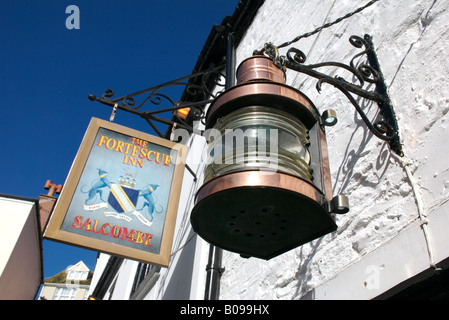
[
  {"x": 21, "y": 248},
  {"x": 70, "y": 284}
]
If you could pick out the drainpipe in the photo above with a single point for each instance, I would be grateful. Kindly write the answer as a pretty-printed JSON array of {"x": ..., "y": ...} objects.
[
  {"x": 214, "y": 268},
  {"x": 108, "y": 275},
  {"x": 214, "y": 272}
]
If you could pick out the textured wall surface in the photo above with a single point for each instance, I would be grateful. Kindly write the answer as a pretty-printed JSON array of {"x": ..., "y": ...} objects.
[{"x": 410, "y": 38}]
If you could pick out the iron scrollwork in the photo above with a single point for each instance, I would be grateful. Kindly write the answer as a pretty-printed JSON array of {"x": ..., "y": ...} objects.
[
  {"x": 197, "y": 93},
  {"x": 363, "y": 73}
]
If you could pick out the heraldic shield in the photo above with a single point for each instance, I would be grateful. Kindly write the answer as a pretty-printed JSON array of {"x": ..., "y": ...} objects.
[{"x": 123, "y": 199}]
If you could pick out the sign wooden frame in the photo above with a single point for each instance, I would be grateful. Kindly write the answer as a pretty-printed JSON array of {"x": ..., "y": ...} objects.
[{"x": 138, "y": 170}]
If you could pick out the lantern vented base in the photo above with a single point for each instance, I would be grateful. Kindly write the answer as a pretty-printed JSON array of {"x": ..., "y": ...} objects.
[{"x": 260, "y": 220}]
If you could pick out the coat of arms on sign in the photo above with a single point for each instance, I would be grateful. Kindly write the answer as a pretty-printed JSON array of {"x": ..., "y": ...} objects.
[{"x": 123, "y": 197}]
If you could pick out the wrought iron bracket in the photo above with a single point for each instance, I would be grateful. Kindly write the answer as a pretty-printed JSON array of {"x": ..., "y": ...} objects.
[
  {"x": 365, "y": 74},
  {"x": 199, "y": 94},
  {"x": 197, "y": 87}
]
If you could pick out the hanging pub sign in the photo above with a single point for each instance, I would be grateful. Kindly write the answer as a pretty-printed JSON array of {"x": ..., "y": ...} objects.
[{"x": 121, "y": 195}]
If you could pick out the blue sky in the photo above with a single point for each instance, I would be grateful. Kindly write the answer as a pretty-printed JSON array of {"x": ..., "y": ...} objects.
[{"x": 47, "y": 72}]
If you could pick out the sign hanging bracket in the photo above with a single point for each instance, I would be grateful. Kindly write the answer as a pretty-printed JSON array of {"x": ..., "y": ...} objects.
[{"x": 114, "y": 110}]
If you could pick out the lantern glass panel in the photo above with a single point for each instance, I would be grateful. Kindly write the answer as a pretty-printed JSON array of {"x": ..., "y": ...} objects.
[{"x": 260, "y": 138}]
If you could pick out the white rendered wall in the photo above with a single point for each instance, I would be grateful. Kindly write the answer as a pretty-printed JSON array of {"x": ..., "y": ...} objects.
[
  {"x": 380, "y": 242},
  {"x": 20, "y": 250}
]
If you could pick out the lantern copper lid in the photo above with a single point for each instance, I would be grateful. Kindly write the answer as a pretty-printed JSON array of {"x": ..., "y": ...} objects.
[
  {"x": 257, "y": 68},
  {"x": 261, "y": 83}
]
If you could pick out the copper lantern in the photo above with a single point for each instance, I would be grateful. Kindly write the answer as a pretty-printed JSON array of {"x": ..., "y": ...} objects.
[{"x": 267, "y": 186}]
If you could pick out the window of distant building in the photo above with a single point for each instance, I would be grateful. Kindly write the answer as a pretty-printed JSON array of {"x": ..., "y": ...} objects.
[
  {"x": 77, "y": 275},
  {"x": 64, "y": 294}
]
